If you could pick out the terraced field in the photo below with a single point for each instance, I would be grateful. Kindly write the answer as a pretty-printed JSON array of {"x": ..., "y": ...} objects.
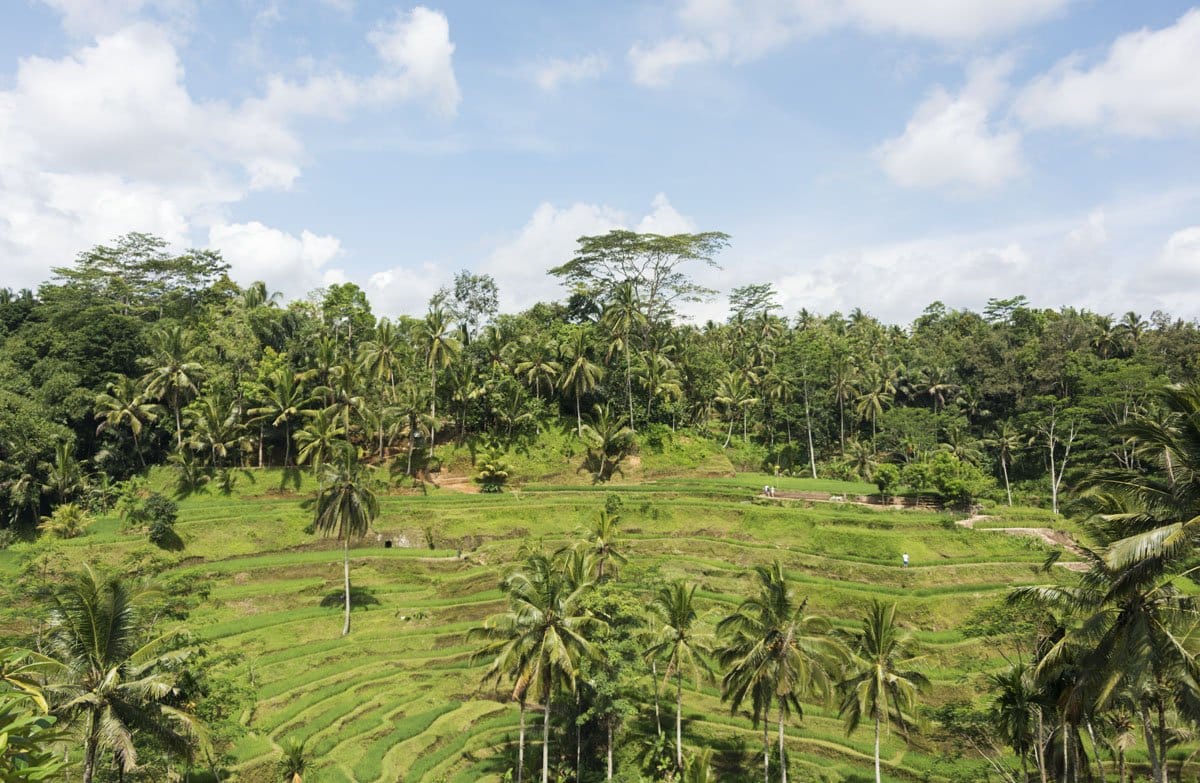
[{"x": 399, "y": 699}]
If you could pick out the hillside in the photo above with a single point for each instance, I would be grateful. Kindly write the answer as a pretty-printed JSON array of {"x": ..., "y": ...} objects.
[{"x": 399, "y": 699}]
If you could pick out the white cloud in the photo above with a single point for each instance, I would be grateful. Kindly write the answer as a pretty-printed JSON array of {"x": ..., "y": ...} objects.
[
  {"x": 653, "y": 66},
  {"x": 1089, "y": 236},
  {"x": 290, "y": 264},
  {"x": 950, "y": 140},
  {"x": 552, "y": 74},
  {"x": 742, "y": 30},
  {"x": 1147, "y": 85},
  {"x": 93, "y": 17},
  {"x": 549, "y": 239},
  {"x": 404, "y": 289},
  {"x": 109, "y": 139}
]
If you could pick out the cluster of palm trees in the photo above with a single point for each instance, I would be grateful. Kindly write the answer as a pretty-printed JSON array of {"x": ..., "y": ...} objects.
[
  {"x": 1117, "y": 656},
  {"x": 554, "y": 643}
]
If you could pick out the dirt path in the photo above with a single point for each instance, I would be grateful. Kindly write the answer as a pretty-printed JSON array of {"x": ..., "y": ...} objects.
[{"x": 1049, "y": 535}]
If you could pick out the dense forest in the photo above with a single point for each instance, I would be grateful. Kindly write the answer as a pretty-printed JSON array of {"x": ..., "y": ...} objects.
[{"x": 133, "y": 357}]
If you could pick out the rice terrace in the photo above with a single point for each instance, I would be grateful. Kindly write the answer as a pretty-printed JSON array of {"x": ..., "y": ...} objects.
[{"x": 649, "y": 391}]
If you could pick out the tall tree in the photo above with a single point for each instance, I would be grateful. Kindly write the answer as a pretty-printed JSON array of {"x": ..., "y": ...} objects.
[
  {"x": 173, "y": 374},
  {"x": 346, "y": 505},
  {"x": 680, "y": 643},
  {"x": 123, "y": 404},
  {"x": 880, "y": 688},
  {"x": 112, "y": 683},
  {"x": 580, "y": 374}
]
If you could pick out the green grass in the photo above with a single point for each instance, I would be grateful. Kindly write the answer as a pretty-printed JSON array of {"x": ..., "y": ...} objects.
[{"x": 399, "y": 698}]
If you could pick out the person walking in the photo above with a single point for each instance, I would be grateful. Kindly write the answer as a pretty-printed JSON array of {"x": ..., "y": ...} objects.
[{"x": 904, "y": 559}]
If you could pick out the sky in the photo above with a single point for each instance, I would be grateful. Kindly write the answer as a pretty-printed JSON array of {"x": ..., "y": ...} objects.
[{"x": 860, "y": 153}]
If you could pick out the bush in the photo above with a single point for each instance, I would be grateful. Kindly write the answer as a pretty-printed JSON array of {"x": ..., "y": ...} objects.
[
  {"x": 158, "y": 512},
  {"x": 68, "y": 520},
  {"x": 944, "y": 475},
  {"x": 493, "y": 470}
]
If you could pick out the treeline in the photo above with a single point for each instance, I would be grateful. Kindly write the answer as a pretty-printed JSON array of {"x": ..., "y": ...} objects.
[{"x": 132, "y": 356}]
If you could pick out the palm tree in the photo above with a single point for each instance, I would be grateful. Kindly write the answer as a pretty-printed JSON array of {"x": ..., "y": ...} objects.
[
  {"x": 439, "y": 348},
  {"x": 603, "y": 540},
  {"x": 382, "y": 357},
  {"x": 509, "y": 651},
  {"x": 316, "y": 441},
  {"x": 550, "y": 631},
  {"x": 876, "y": 393},
  {"x": 609, "y": 441},
  {"x": 64, "y": 477},
  {"x": 736, "y": 396},
  {"x": 215, "y": 427},
  {"x": 123, "y": 405},
  {"x": 346, "y": 505},
  {"x": 1006, "y": 442},
  {"x": 842, "y": 385},
  {"x": 622, "y": 316},
  {"x": 1014, "y": 710},
  {"x": 880, "y": 687},
  {"x": 537, "y": 364},
  {"x": 173, "y": 374},
  {"x": 774, "y": 651},
  {"x": 111, "y": 683},
  {"x": 293, "y": 762},
  {"x": 679, "y": 642},
  {"x": 581, "y": 374},
  {"x": 283, "y": 399}
]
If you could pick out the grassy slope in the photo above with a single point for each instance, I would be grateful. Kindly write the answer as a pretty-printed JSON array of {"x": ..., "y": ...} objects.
[{"x": 398, "y": 699}]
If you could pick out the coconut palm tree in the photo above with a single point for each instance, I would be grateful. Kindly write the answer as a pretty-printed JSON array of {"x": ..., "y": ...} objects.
[
  {"x": 215, "y": 427},
  {"x": 293, "y": 761},
  {"x": 112, "y": 683},
  {"x": 439, "y": 347},
  {"x": 553, "y": 629},
  {"x": 383, "y": 357},
  {"x": 1006, "y": 442},
  {"x": 536, "y": 364},
  {"x": 122, "y": 404},
  {"x": 609, "y": 441},
  {"x": 173, "y": 374},
  {"x": 603, "y": 541},
  {"x": 679, "y": 642},
  {"x": 346, "y": 505},
  {"x": 1014, "y": 711},
  {"x": 773, "y": 650},
  {"x": 508, "y": 652},
  {"x": 317, "y": 440},
  {"x": 735, "y": 394},
  {"x": 622, "y": 316},
  {"x": 580, "y": 374},
  {"x": 283, "y": 398},
  {"x": 880, "y": 688},
  {"x": 64, "y": 476}
]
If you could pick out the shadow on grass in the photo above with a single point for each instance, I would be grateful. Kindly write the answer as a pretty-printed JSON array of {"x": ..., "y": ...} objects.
[
  {"x": 169, "y": 540},
  {"x": 360, "y": 598}
]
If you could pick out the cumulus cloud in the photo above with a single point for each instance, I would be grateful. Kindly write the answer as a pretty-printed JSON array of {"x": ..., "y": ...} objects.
[
  {"x": 1146, "y": 85},
  {"x": 109, "y": 139},
  {"x": 93, "y": 17},
  {"x": 740, "y": 30},
  {"x": 951, "y": 141},
  {"x": 548, "y": 239},
  {"x": 291, "y": 264},
  {"x": 551, "y": 75}
]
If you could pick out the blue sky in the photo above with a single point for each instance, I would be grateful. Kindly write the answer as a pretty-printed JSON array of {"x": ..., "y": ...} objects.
[{"x": 862, "y": 153}]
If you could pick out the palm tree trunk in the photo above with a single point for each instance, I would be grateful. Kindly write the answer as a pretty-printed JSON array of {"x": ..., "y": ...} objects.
[
  {"x": 178, "y": 420},
  {"x": 629, "y": 383},
  {"x": 578, "y": 737},
  {"x": 1120, "y": 766},
  {"x": 878, "y": 775},
  {"x": 91, "y": 743},
  {"x": 346, "y": 571},
  {"x": 782, "y": 760},
  {"x": 728, "y": 435},
  {"x": 657, "y": 717},
  {"x": 546, "y": 739},
  {"x": 610, "y": 751},
  {"x": 578, "y": 419},
  {"x": 1040, "y": 748},
  {"x": 261, "y": 429},
  {"x": 521, "y": 743},
  {"x": 678, "y": 715},
  {"x": 287, "y": 442},
  {"x": 812, "y": 454},
  {"x": 1007, "y": 488},
  {"x": 1162, "y": 739},
  {"x": 766, "y": 746}
]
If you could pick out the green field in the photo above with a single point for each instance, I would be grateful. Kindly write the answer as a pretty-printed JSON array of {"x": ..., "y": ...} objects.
[{"x": 398, "y": 700}]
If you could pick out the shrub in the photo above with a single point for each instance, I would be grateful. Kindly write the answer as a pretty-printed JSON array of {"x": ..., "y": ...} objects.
[
  {"x": 68, "y": 520},
  {"x": 493, "y": 470}
]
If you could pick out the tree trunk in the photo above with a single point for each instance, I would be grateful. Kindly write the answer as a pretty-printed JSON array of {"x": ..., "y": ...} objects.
[
  {"x": 521, "y": 743},
  {"x": 878, "y": 775},
  {"x": 782, "y": 760},
  {"x": 657, "y": 717},
  {"x": 678, "y": 715},
  {"x": 578, "y": 419},
  {"x": 766, "y": 747},
  {"x": 178, "y": 421},
  {"x": 91, "y": 742},
  {"x": 1096, "y": 749},
  {"x": 1040, "y": 748},
  {"x": 287, "y": 442},
  {"x": 578, "y": 738},
  {"x": 610, "y": 751},
  {"x": 546, "y": 739},
  {"x": 1162, "y": 739},
  {"x": 1007, "y": 488},
  {"x": 629, "y": 383},
  {"x": 812, "y": 452},
  {"x": 728, "y": 435},
  {"x": 261, "y": 429},
  {"x": 346, "y": 570},
  {"x": 1151, "y": 746}
]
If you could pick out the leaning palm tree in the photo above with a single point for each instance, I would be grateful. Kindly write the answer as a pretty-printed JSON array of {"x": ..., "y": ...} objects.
[
  {"x": 1006, "y": 442},
  {"x": 679, "y": 642},
  {"x": 774, "y": 651},
  {"x": 111, "y": 682},
  {"x": 880, "y": 688},
  {"x": 346, "y": 505},
  {"x": 553, "y": 629}
]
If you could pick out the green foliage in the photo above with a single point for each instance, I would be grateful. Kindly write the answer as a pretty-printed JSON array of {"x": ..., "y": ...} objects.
[
  {"x": 68, "y": 520},
  {"x": 27, "y": 742},
  {"x": 493, "y": 470},
  {"x": 947, "y": 477}
]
